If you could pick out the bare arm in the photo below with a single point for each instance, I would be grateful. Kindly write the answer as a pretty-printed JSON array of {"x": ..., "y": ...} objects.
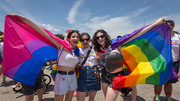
[
  {"x": 37, "y": 28},
  {"x": 66, "y": 34},
  {"x": 158, "y": 22}
]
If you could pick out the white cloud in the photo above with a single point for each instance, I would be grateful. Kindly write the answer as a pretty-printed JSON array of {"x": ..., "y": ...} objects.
[
  {"x": 138, "y": 11},
  {"x": 122, "y": 24},
  {"x": 113, "y": 25},
  {"x": 56, "y": 30},
  {"x": 73, "y": 11},
  {"x": 50, "y": 28}
]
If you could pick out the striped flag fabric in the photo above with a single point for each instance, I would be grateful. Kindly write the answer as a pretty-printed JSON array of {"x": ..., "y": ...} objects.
[{"x": 148, "y": 57}]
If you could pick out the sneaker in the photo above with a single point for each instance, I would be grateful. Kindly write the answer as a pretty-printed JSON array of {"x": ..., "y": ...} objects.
[
  {"x": 13, "y": 86},
  {"x": 75, "y": 94},
  {"x": 123, "y": 95},
  {"x": 168, "y": 99},
  {"x": 3, "y": 83}
]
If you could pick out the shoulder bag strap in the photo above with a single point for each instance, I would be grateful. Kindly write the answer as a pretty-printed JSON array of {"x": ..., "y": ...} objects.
[{"x": 86, "y": 56}]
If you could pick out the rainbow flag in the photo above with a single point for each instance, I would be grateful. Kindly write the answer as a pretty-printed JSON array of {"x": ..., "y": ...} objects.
[
  {"x": 148, "y": 57},
  {"x": 25, "y": 51}
]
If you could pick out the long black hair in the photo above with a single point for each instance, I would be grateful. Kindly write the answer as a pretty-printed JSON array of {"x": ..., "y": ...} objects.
[{"x": 71, "y": 32}]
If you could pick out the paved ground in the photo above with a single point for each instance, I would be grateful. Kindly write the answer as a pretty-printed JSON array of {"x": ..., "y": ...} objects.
[{"x": 145, "y": 93}]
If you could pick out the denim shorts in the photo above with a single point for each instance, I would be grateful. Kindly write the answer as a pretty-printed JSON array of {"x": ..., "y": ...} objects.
[
  {"x": 64, "y": 83},
  {"x": 176, "y": 68},
  {"x": 29, "y": 90},
  {"x": 89, "y": 80}
]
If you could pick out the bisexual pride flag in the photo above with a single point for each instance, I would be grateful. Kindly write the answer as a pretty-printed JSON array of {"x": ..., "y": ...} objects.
[
  {"x": 26, "y": 50},
  {"x": 148, "y": 57}
]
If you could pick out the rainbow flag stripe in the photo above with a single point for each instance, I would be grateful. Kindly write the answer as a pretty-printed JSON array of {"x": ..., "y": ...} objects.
[
  {"x": 92, "y": 54},
  {"x": 148, "y": 58},
  {"x": 83, "y": 56},
  {"x": 88, "y": 65},
  {"x": 67, "y": 51},
  {"x": 174, "y": 43}
]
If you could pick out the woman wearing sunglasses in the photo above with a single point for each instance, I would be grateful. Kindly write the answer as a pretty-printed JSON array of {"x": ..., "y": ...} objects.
[
  {"x": 113, "y": 60},
  {"x": 65, "y": 81},
  {"x": 89, "y": 80}
]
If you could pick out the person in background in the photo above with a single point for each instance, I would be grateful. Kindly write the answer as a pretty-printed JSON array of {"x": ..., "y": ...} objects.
[
  {"x": 175, "y": 41},
  {"x": 29, "y": 90},
  {"x": 1, "y": 66}
]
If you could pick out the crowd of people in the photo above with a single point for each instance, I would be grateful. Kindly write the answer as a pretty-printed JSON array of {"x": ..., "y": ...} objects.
[{"x": 85, "y": 60}]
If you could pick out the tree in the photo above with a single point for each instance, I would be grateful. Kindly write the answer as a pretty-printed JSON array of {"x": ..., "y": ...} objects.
[
  {"x": 60, "y": 35},
  {"x": 1, "y": 33}
]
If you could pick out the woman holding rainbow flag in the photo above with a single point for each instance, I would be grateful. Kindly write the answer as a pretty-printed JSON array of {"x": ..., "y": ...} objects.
[{"x": 113, "y": 59}]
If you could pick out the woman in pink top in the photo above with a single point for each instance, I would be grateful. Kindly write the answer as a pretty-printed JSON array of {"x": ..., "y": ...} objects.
[{"x": 65, "y": 81}]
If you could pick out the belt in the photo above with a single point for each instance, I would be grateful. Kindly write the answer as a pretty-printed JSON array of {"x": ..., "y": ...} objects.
[
  {"x": 66, "y": 72},
  {"x": 88, "y": 67},
  {"x": 176, "y": 61}
]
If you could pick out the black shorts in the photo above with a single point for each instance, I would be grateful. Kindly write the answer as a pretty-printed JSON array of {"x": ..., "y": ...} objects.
[
  {"x": 108, "y": 77},
  {"x": 29, "y": 90},
  {"x": 176, "y": 68}
]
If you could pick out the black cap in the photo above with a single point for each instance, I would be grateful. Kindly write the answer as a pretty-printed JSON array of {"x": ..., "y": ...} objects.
[{"x": 171, "y": 22}]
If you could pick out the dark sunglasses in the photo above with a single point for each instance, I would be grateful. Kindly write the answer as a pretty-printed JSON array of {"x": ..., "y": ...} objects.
[
  {"x": 84, "y": 39},
  {"x": 101, "y": 36}
]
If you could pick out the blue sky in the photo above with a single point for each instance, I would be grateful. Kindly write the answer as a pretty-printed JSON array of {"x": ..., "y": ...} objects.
[{"x": 114, "y": 16}]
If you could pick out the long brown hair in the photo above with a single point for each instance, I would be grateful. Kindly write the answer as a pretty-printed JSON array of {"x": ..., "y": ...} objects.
[
  {"x": 97, "y": 46},
  {"x": 84, "y": 33}
]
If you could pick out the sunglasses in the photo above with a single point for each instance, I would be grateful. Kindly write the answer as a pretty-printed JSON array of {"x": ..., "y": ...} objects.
[
  {"x": 84, "y": 39},
  {"x": 101, "y": 36}
]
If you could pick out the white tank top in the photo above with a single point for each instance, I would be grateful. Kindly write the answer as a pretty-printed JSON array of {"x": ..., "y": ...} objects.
[
  {"x": 67, "y": 58},
  {"x": 91, "y": 60}
]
